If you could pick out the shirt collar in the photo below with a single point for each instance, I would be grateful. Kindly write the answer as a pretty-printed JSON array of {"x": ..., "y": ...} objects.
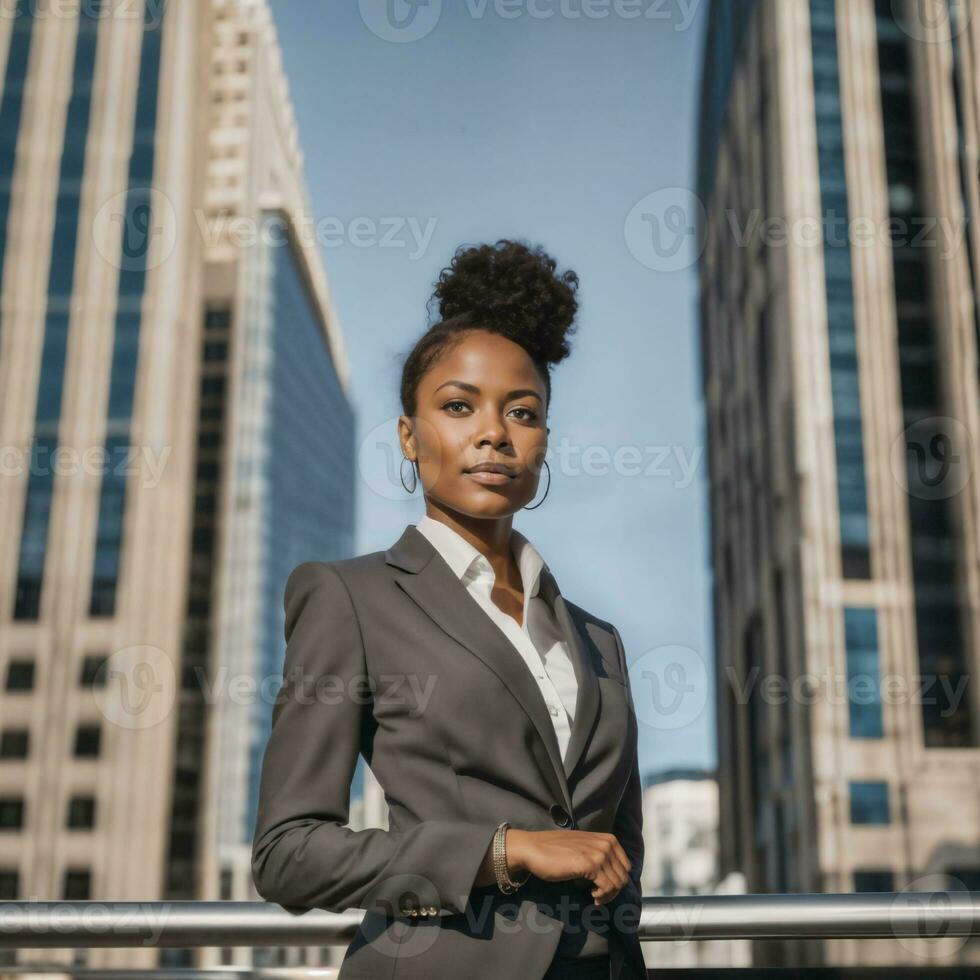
[{"x": 461, "y": 556}]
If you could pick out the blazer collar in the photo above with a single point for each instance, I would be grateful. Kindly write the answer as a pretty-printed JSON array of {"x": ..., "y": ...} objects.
[
  {"x": 460, "y": 555},
  {"x": 436, "y": 589}
]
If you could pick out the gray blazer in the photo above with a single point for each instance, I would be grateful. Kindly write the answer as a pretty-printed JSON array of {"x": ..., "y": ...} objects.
[{"x": 388, "y": 654}]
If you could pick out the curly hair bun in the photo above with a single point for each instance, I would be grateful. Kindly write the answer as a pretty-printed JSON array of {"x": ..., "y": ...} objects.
[{"x": 514, "y": 290}]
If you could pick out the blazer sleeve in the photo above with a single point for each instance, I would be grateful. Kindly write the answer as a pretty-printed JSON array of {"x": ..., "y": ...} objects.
[
  {"x": 628, "y": 823},
  {"x": 303, "y": 855}
]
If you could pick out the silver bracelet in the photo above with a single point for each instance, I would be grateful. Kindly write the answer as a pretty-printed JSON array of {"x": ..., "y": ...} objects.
[{"x": 504, "y": 881}]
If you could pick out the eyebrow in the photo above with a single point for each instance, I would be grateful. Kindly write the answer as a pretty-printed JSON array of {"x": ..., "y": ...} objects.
[{"x": 516, "y": 393}]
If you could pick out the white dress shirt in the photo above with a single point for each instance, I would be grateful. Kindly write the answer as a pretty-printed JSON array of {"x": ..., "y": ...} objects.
[{"x": 539, "y": 639}]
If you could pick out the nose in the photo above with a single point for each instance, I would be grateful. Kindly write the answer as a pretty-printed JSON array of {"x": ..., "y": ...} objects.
[{"x": 493, "y": 432}]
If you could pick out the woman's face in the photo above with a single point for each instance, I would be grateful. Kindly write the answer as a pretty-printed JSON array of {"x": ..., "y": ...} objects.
[{"x": 482, "y": 401}]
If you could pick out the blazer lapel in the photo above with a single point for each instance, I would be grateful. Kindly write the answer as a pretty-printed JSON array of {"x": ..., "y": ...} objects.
[
  {"x": 587, "y": 698},
  {"x": 434, "y": 587}
]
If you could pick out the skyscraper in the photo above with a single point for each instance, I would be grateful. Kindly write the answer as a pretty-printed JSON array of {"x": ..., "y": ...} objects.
[
  {"x": 173, "y": 399},
  {"x": 286, "y": 489},
  {"x": 839, "y": 323}
]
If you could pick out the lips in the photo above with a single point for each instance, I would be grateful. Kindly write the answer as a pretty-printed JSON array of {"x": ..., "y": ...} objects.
[{"x": 491, "y": 468}]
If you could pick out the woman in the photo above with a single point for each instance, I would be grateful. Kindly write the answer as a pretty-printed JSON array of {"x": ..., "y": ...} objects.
[{"x": 495, "y": 713}]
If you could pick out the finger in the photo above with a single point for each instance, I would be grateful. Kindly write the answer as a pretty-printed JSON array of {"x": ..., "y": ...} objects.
[
  {"x": 623, "y": 861},
  {"x": 605, "y": 887},
  {"x": 617, "y": 879},
  {"x": 617, "y": 861}
]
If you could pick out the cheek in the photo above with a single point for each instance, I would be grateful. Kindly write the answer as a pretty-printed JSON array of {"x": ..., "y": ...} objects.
[
  {"x": 443, "y": 466},
  {"x": 440, "y": 449}
]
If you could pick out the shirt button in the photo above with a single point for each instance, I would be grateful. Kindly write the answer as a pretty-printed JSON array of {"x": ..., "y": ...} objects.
[{"x": 553, "y": 709}]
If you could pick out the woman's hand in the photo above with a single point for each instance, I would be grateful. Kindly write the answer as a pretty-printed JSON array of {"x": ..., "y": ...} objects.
[{"x": 558, "y": 855}]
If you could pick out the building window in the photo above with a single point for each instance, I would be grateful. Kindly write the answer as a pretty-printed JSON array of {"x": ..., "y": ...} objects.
[
  {"x": 14, "y": 743},
  {"x": 863, "y": 673},
  {"x": 874, "y": 881},
  {"x": 869, "y": 803},
  {"x": 218, "y": 316},
  {"x": 216, "y": 350},
  {"x": 9, "y": 884},
  {"x": 87, "y": 741},
  {"x": 92, "y": 672},
  {"x": 81, "y": 812},
  {"x": 213, "y": 384},
  {"x": 20, "y": 675},
  {"x": 964, "y": 879},
  {"x": 77, "y": 885},
  {"x": 11, "y": 813}
]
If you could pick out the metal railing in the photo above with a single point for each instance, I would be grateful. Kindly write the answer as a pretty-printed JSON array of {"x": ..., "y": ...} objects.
[{"x": 901, "y": 915}]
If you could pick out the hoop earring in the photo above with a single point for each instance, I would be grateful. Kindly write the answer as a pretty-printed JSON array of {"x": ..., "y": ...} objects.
[
  {"x": 402, "y": 478},
  {"x": 541, "y": 501}
]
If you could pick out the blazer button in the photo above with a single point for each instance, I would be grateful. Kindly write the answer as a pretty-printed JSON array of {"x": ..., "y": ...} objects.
[{"x": 559, "y": 815}]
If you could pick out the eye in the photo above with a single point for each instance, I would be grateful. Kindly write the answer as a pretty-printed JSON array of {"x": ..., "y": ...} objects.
[{"x": 529, "y": 416}]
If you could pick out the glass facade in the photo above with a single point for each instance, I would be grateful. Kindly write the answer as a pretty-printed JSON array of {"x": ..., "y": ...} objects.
[
  {"x": 852, "y": 498},
  {"x": 137, "y": 226},
  {"x": 863, "y": 673},
  {"x": 939, "y": 631},
  {"x": 61, "y": 277},
  {"x": 307, "y": 463}
]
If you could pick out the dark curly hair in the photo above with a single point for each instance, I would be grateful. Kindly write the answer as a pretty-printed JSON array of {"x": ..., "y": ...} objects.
[{"x": 507, "y": 288}]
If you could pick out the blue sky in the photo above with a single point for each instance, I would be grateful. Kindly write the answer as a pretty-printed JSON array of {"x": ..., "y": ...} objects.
[{"x": 549, "y": 122}]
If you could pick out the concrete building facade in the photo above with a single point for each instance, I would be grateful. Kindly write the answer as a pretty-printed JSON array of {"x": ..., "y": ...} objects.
[
  {"x": 174, "y": 393},
  {"x": 839, "y": 322}
]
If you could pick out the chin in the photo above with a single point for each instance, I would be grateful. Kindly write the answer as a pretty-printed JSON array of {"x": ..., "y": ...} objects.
[{"x": 489, "y": 502}]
